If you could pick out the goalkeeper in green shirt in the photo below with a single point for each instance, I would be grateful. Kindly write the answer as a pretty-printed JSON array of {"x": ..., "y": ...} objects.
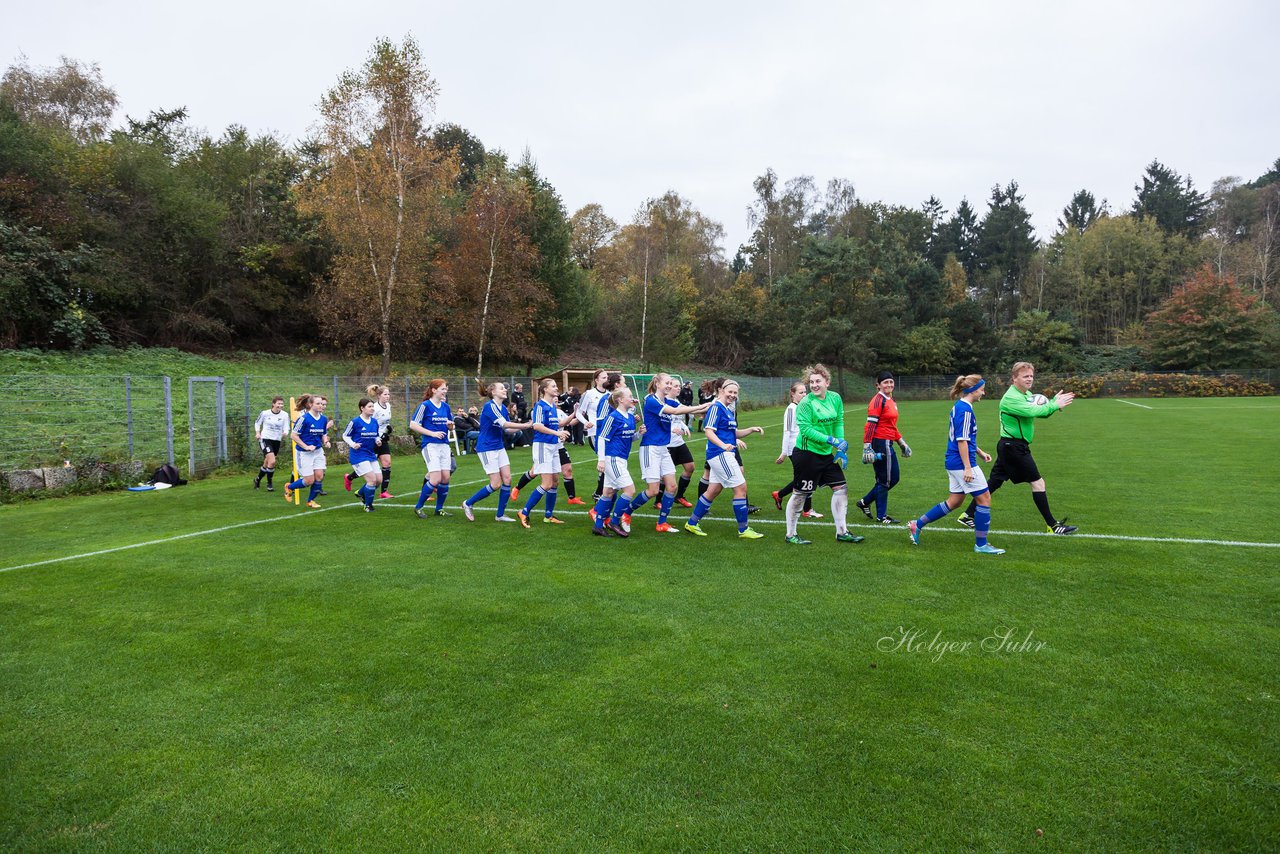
[
  {"x": 820, "y": 455},
  {"x": 1019, "y": 409}
]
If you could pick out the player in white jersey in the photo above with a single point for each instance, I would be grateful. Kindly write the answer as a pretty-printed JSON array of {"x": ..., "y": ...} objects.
[
  {"x": 588, "y": 408},
  {"x": 791, "y": 432},
  {"x": 682, "y": 457},
  {"x": 269, "y": 430}
]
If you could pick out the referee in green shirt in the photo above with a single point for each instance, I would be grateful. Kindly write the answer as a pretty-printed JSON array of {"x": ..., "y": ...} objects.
[{"x": 1014, "y": 463}]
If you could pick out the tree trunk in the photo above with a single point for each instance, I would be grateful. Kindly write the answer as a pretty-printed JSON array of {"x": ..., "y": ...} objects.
[{"x": 488, "y": 289}]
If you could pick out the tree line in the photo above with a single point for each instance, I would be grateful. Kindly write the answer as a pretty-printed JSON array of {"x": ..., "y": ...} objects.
[{"x": 387, "y": 233}]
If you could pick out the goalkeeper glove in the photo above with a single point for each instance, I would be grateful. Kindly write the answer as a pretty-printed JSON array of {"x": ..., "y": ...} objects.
[
  {"x": 868, "y": 455},
  {"x": 906, "y": 449},
  {"x": 842, "y": 459},
  {"x": 839, "y": 444}
]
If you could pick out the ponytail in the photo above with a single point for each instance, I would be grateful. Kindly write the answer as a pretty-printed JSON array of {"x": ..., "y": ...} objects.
[{"x": 963, "y": 384}]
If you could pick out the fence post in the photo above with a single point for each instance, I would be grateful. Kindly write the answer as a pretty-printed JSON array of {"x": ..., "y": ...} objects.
[
  {"x": 408, "y": 412},
  {"x": 464, "y": 393},
  {"x": 191, "y": 428},
  {"x": 128, "y": 411},
  {"x": 248, "y": 424},
  {"x": 168, "y": 417},
  {"x": 222, "y": 421},
  {"x": 337, "y": 416}
]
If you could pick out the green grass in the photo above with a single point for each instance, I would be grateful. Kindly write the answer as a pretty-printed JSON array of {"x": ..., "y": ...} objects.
[{"x": 339, "y": 680}]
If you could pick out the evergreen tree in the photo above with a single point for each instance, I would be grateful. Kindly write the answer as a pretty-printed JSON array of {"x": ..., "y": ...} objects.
[{"x": 1171, "y": 200}]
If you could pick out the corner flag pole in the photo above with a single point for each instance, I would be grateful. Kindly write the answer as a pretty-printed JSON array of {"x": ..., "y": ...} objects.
[{"x": 293, "y": 453}]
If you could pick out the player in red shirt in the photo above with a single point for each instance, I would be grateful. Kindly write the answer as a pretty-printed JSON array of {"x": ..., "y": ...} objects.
[{"x": 878, "y": 438}]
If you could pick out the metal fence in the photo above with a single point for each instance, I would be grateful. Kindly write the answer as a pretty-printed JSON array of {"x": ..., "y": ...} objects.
[{"x": 49, "y": 419}]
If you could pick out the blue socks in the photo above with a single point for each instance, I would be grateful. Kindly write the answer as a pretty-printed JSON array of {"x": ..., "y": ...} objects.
[
  {"x": 981, "y": 524},
  {"x": 481, "y": 494},
  {"x": 700, "y": 509},
  {"x": 504, "y": 495},
  {"x": 367, "y": 493},
  {"x": 315, "y": 490},
  {"x": 740, "y": 513},
  {"x": 442, "y": 492},
  {"x": 427, "y": 489},
  {"x": 536, "y": 496},
  {"x": 551, "y": 502},
  {"x": 297, "y": 484},
  {"x": 602, "y": 510},
  {"x": 934, "y": 514},
  {"x": 665, "y": 507},
  {"x": 624, "y": 507}
]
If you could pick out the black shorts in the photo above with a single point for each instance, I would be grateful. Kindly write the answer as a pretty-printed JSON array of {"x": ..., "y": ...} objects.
[
  {"x": 564, "y": 457},
  {"x": 269, "y": 446},
  {"x": 1014, "y": 462},
  {"x": 815, "y": 470},
  {"x": 681, "y": 455}
]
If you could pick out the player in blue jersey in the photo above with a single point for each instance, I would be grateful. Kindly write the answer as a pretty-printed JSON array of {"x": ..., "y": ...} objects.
[
  {"x": 269, "y": 430},
  {"x": 364, "y": 439},
  {"x": 568, "y": 417},
  {"x": 431, "y": 421},
  {"x": 492, "y": 450},
  {"x": 723, "y": 440},
  {"x": 615, "y": 434},
  {"x": 549, "y": 437},
  {"x": 657, "y": 469},
  {"x": 962, "y": 467},
  {"x": 310, "y": 439}
]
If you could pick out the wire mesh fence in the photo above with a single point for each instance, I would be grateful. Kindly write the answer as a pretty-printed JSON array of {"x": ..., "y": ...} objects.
[
  {"x": 49, "y": 420},
  {"x": 54, "y": 419}
]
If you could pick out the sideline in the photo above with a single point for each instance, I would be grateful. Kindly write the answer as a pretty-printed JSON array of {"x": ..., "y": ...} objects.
[{"x": 1131, "y": 403}]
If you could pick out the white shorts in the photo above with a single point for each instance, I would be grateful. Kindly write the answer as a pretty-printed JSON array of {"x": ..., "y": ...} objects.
[
  {"x": 309, "y": 461},
  {"x": 616, "y": 475},
  {"x": 655, "y": 463},
  {"x": 437, "y": 457},
  {"x": 958, "y": 485},
  {"x": 365, "y": 467},
  {"x": 546, "y": 458},
  {"x": 726, "y": 471},
  {"x": 493, "y": 461}
]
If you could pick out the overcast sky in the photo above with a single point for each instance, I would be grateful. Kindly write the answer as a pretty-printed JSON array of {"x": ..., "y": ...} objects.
[{"x": 903, "y": 99}]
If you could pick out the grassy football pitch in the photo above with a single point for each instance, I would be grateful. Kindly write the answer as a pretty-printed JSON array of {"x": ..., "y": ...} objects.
[{"x": 214, "y": 670}]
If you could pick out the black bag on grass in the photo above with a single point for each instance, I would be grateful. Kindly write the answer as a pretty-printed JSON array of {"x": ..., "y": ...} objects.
[{"x": 167, "y": 474}]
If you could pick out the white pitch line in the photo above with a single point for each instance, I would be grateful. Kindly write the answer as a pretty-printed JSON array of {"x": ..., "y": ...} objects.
[{"x": 1131, "y": 403}]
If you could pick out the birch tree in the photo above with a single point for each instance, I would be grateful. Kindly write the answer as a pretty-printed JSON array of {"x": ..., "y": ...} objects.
[{"x": 381, "y": 193}]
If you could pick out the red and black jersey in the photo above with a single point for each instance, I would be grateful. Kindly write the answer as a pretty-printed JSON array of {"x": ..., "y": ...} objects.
[{"x": 882, "y": 419}]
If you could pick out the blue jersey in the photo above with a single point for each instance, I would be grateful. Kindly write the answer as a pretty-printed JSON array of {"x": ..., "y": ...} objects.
[
  {"x": 657, "y": 427},
  {"x": 548, "y": 416},
  {"x": 365, "y": 434},
  {"x": 310, "y": 429},
  {"x": 617, "y": 432},
  {"x": 433, "y": 417},
  {"x": 725, "y": 422},
  {"x": 964, "y": 428},
  {"x": 492, "y": 419}
]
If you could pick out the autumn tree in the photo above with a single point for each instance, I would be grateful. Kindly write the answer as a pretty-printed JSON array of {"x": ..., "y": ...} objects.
[
  {"x": 492, "y": 270},
  {"x": 380, "y": 196},
  {"x": 1210, "y": 323}
]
